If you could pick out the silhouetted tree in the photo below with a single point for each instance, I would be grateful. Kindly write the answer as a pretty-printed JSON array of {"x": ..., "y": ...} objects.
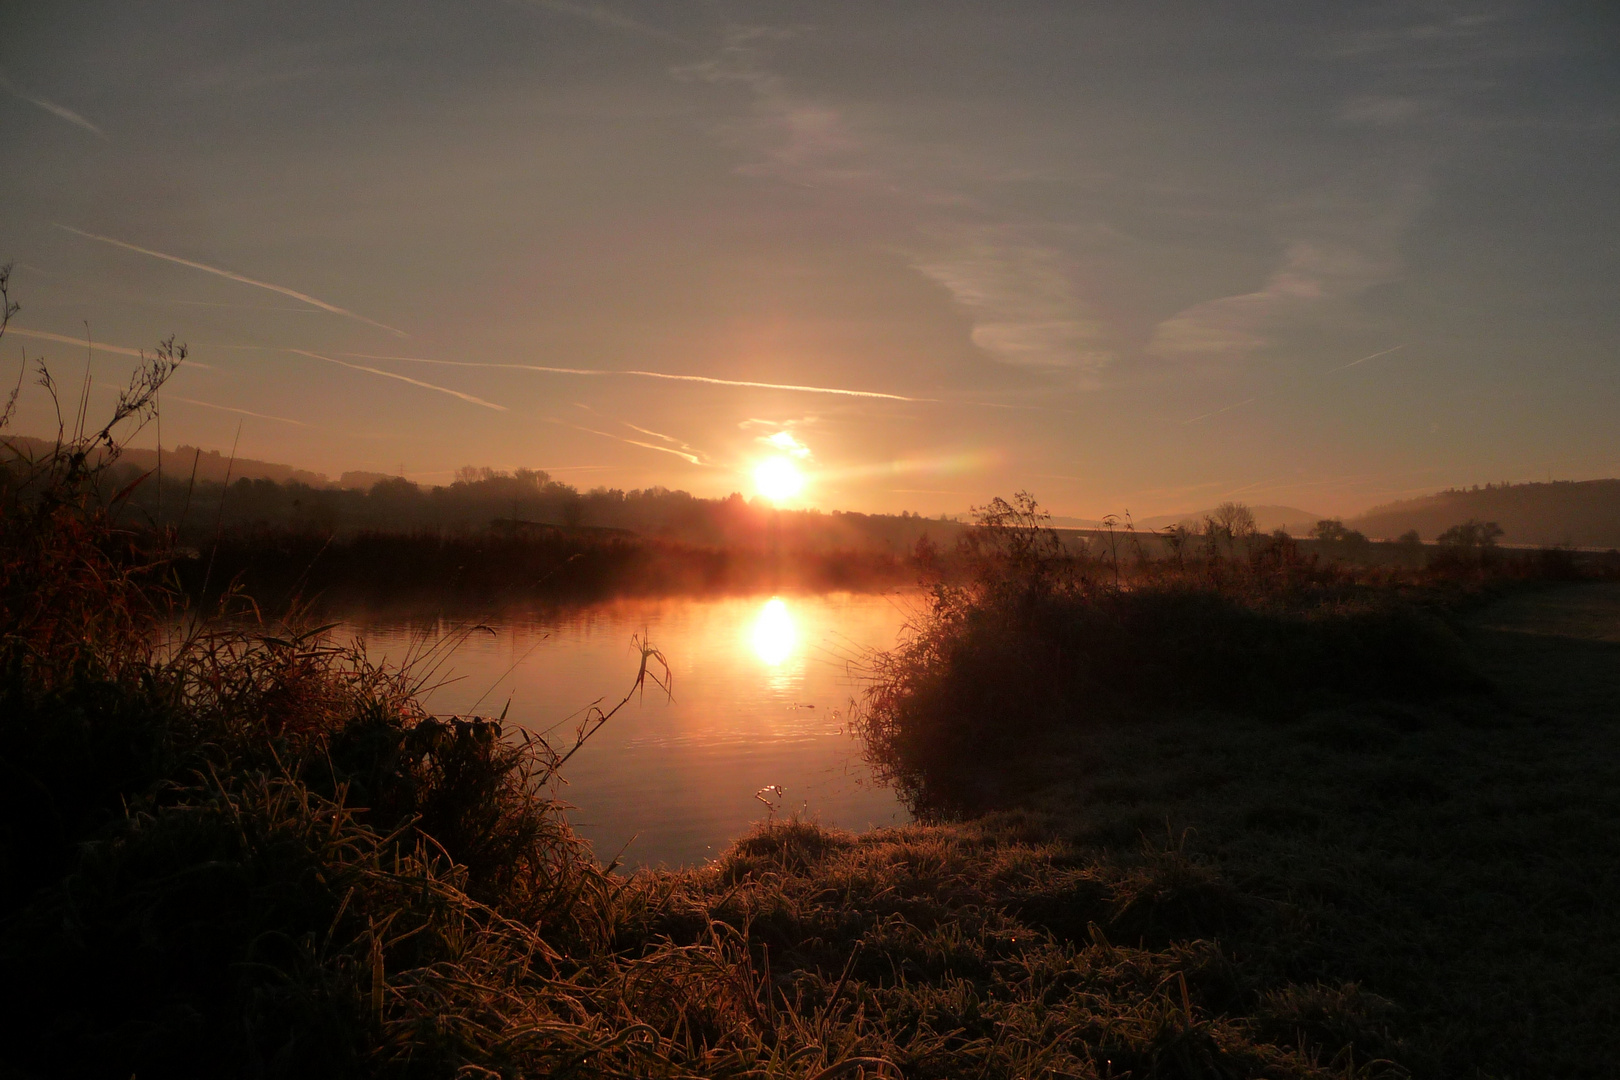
[
  {"x": 1471, "y": 535},
  {"x": 1339, "y": 541}
]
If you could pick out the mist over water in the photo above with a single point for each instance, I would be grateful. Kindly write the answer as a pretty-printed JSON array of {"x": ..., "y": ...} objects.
[{"x": 762, "y": 687}]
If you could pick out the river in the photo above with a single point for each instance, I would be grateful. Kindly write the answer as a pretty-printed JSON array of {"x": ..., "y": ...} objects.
[{"x": 756, "y": 722}]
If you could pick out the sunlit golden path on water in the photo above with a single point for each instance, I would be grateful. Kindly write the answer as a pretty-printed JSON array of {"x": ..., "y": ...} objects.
[
  {"x": 775, "y": 634},
  {"x": 761, "y": 697}
]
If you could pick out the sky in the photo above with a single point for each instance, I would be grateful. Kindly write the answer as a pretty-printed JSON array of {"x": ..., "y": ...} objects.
[{"x": 1129, "y": 257}]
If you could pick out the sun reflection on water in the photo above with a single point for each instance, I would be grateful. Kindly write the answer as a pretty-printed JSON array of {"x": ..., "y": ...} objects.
[
  {"x": 755, "y": 689},
  {"x": 775, "y": 634}
]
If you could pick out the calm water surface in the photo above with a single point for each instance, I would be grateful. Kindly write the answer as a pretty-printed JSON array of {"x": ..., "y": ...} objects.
[{"x": 762, "y": 687}]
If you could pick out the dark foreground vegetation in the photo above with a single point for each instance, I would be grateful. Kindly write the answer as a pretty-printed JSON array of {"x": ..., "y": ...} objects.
[
  {"x": 229, "y": 851},
  {"x": 246, "y": 851},
  {"x": 1398, "y": 783}
]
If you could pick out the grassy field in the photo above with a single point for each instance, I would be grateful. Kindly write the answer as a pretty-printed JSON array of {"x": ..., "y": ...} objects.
[{"x": 1457, "y": 857}]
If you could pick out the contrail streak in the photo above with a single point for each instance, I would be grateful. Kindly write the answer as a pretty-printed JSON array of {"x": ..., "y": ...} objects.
[
  {"x": 633, "y": 427},
  {"x": 693, "y": 458},
  {"x": 402, "y": 378},
  {"x": 773, "y": 386},
  {"x": 1364, "y": 359},
  {"x": 228, "y": 408},
  {"x": 1330, "y": 371},
  {"x": 649, "y": 375},
  {"x": 282, "y": 289},
  {"x": 1218, "y": 412},
  {"x": 657, "y": 435},
  {"x": 601, "y": 16},
  {"x": 44, "y": 335}
]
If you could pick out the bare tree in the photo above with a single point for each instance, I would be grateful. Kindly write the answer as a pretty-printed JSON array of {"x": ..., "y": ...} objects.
[{"x": 1236, "y": 520}]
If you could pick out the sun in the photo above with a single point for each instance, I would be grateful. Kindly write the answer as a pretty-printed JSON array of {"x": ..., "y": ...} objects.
[{"x": 778, "y": 479}]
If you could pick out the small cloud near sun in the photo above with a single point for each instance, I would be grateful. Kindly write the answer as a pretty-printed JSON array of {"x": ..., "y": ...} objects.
[{"x": 787, "y": 444}]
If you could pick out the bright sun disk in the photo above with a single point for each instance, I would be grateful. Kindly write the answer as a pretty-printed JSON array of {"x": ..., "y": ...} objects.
[{"x": 778, "y": 479}]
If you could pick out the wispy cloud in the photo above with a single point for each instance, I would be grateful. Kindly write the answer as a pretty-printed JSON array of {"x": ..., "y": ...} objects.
[
  {"x": 402, "y": 378},
  {"x": 646, "y": 375},
  {"x": 122, "y": 350},
  {"x": 754, "y": 423},
  {"x": 1016, "y": 289},
  {"x": 1019, "y": 295},
  {"x": 787, "y": 444},
  {"x": 61, "y": 112},
  {"x": 1339, "y": 241},
  {"x": 792, "y": 137},
  {"x": 282, "y": 289},
  {"x": 609, "y": 19}
]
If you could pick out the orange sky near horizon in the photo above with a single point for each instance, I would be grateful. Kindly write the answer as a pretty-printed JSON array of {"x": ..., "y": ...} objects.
[{"x": 876, "y": 258}]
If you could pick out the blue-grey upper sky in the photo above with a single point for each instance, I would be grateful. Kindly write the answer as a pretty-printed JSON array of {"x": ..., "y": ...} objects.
[{"x": 1127, "y": 256}]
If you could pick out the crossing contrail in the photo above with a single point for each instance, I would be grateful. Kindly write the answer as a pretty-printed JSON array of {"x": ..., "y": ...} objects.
[
  {"x": 401, "y": 378},
  {"x": 631, "y": 372},
  {"x": 282, "y": 289}
]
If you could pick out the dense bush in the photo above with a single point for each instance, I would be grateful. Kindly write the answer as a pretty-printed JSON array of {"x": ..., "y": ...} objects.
[{"x": 1043, "y": 640}]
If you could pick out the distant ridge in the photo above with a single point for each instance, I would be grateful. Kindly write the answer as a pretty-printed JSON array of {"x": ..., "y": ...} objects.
[
  {"x": 1577, "y": 513},
  {"x": 211, "y": 464}
]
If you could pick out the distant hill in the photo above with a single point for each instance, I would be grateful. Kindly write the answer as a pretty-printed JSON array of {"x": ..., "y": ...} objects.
[
  {"x": 1579, "y": 513},
  {"x": 211, "y": 464}
]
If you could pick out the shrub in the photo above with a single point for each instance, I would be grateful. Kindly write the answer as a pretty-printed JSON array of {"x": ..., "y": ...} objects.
[{"x": 1042, "y": 643}]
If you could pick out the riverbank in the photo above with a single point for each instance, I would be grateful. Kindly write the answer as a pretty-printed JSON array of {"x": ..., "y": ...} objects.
[
  {"x": 1443, "y": 847},
  {"x": 257, "y": 853},
  {"x": 410, "y": 572}
]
